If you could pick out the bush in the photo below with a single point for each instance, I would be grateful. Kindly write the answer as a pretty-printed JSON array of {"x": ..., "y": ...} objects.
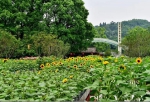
[
  {"x": 8, "y": 44},
  {"x": 48, "y": 44}
]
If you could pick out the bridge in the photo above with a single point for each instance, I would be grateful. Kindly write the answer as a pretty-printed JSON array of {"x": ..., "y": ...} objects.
[
  {"x": 111, "y": 41},
  {"x": 105, "y": 41}
]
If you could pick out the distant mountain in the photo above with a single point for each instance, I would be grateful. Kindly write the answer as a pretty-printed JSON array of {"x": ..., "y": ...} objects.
[{"x": 112, "y": 28}]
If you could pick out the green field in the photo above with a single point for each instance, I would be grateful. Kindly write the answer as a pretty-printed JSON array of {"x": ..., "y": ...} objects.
[{"x": 54, "y": 79}]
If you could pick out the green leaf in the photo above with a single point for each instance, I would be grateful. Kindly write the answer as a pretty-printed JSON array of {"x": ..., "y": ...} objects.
[
  {"x": 147, "y": 99},
  {"x": 125, "y": 90},
  {"x": 42, "y": 84},
  {"x": 104, "y": 92},
  {"x": 139, "y": 93},
  {"x": 119, "y": 81}
]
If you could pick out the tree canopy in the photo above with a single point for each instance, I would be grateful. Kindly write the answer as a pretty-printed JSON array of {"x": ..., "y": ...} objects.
[
  {"x": 65, "y": 18},
  {"x": 137, "y": 41}
]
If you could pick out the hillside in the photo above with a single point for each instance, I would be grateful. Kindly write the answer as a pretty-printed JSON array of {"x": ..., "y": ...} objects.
[{"x": 112, "y": 27}]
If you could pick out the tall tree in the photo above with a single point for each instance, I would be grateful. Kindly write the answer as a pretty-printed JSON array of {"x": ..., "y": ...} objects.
[
  {"x": 137, "y": 41},
  {"x": 69, "y": 22},
  {"x": 66, "y": 18},
  {"x": 20, "y": 16}
]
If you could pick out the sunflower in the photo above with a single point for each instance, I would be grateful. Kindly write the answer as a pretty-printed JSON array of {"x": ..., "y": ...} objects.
[
  {"x": 91, "y": 66},
  {"x": 105, "y": 62},
  {"x": 54, "y": 63},
  {"x": 42, "y": 66},
  {"x": 60, "y": 63},
  {"x": 75, "y": 66},
  {"x": 39, "y": 72},
  {"x": 65, "y": 80},
  {"x": 76, "y": 60},
  {"x": 56, "y": 70},
  {"x": 5, "y": 60},
  {"x": 81, "y": 64},
  {"x": 47, "y": 64},
  {"x": 100, "y": 59},
  {"x": 88, "y": 70},
  {"x": 71, "y": 77},
  {"x": 121, "y": 68},
  {"x": 138, "y": 60},
  {"x": 115, "y": 60}
]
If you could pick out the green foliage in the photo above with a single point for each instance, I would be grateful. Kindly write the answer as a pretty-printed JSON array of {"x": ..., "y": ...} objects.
[
  {"x": 108, "y": 53},
  {"x": 100, "y": 32},
  {"x": 70, "y": 23},
  {"x": 8, "y": 44},
  {"x": 48, "y": 44},
  {"x": 67, "y": 19},
  {"x": 136, "y": 43},
  {"x": 21, "y": 65},
  {"x": 112, "y": 27},
  {"x": 117, "y": 80},
  {"x": 20, "y": 17}
]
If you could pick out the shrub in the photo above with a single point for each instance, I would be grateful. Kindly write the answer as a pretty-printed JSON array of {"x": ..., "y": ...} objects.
[
  {"x": 48, "y": 44},
  {"x": 8, "y": 44}
]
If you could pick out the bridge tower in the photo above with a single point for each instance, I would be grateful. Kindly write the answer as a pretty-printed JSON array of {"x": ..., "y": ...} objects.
[{"x": 119, "y": 39}]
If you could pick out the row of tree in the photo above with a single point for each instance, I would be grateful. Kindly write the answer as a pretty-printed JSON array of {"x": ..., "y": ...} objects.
[{"x": 40, "y": 44}]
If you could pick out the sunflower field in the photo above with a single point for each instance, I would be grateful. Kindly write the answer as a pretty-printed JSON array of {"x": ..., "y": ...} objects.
[{"x": 53, "y": 79}]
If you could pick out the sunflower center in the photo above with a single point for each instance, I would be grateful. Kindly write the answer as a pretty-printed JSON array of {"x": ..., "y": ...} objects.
[{"x": 121, "y": 67}]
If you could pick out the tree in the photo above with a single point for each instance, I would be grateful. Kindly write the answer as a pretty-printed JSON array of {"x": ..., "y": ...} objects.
[
  {"x": 20, "y": 16},
  {"x": 137, "y": 41},
  {"x": 68, "y": 19},
  {"x": 65, "y": 18},
  {"x": 8, "y": 44},
  {"x": 48, "y": 44},
  {"x": 100, "y": 33}
]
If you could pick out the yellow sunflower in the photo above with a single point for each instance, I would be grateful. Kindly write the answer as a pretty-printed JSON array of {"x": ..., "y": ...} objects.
[
  {"x": 88, "y": 70},
  {"x": 47, "y": 64},
  {"x": 81, "y": 64},
  {"x": 121, "y": 68},
  {"x": 138, "y": 60},
  {"x": 71, "y": 76},
  {"x": 115, "y": 60},
  {"x": 75, "y": 66},
  {"x": 65, "y": 80},
  {"x": 5, "y": 60},
  {"x": 91, "y": 66},
  {"x": 60, "y": 63},
  {"x": 42, "y": 66},
  {"x": 39, "y": 72},
  {"x": 100, "y": 58},
  {"x": 56, "y": 70},
  {"x": 105, "y": 62}
]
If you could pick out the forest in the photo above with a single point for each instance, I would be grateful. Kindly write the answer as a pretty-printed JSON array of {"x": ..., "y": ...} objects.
[{"x": 112, "y": 27}]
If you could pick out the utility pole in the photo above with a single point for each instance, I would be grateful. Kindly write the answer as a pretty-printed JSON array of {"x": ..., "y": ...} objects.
[{"x": 119, "y": 39}]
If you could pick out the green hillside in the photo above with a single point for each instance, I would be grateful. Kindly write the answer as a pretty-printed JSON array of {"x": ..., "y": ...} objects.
[{"x": 112, "y": 27}]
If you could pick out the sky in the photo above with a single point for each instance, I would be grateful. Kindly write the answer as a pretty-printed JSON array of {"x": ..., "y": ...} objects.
[{"x": 116, "y": 10}]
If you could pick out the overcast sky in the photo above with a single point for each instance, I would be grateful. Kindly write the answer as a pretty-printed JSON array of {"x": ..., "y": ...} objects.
[{"x": 117, "y": 10}]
